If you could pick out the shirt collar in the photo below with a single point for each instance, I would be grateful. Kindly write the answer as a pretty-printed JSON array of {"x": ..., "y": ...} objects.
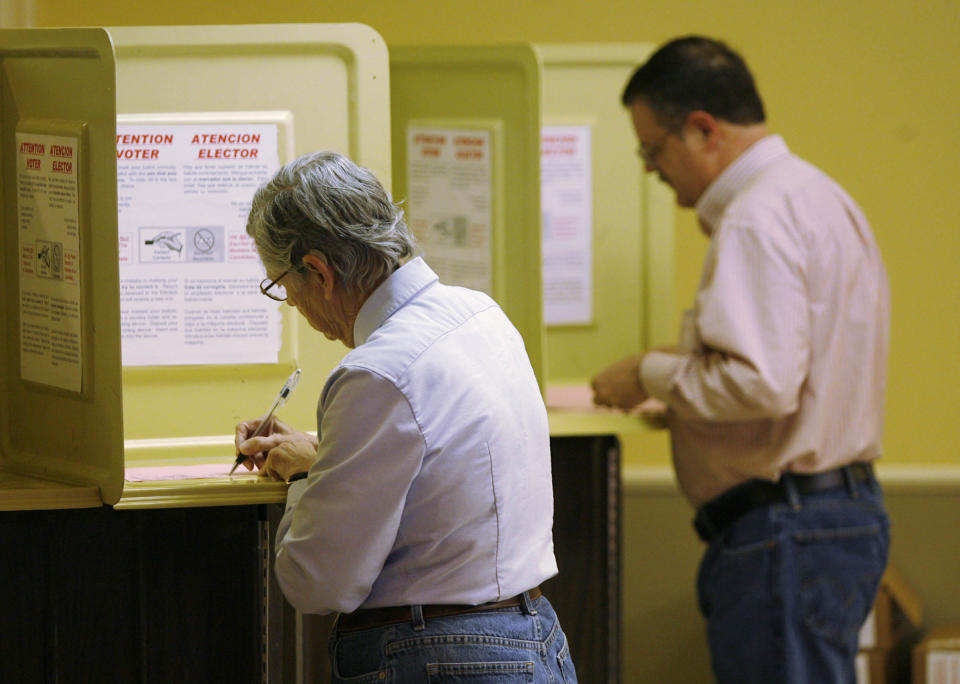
[
  {"x": 399, "y": 287},
  {"x": 713, "y": 202}
]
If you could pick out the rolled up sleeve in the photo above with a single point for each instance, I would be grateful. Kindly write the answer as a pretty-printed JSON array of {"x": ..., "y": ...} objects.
[
  {"x": 341, "y": 522},
  {"x": 753, "y": 331}
]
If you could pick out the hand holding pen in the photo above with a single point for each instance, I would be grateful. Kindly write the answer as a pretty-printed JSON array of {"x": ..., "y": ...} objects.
[{"x": 242, "y": 437}]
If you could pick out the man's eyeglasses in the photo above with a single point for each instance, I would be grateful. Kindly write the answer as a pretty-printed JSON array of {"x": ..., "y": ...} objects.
[
  {"x": 279, "y": 293},
  {"x": 649, "y": 155}
]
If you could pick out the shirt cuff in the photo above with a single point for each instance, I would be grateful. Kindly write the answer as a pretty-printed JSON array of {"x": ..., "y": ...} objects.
[{"x": 657, "y": 372}]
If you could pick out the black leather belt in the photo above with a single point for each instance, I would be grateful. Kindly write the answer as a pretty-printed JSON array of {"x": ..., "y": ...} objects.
[
  {"x": 369, "y": 618},
  {"x": 721, "y": 512}
]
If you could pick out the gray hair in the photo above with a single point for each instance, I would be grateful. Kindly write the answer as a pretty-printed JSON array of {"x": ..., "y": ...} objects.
[{"x": 323, "y": 201}]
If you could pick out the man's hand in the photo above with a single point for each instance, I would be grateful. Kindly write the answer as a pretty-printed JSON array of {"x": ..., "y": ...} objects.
[
  {"x": 257, "y": 448},
  {"x": 288, "y": 458},
  {"x": 619, "y": 385}
]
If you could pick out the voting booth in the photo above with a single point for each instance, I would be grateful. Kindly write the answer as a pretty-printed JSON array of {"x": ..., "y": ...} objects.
[
  {"x": 133, "y": 335},
  {"x": 623, "y": 302},
  {"x": 60, "y": 418},
  {"x": 148, "y": 144},
  {"x": 517, "y": 168},
  {"x": 466, "y": 164}
]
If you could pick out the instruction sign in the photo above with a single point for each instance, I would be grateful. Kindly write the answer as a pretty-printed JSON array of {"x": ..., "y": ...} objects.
[
  {"x": 567, "y": 206},
  {"x": 51, "y": 349},
  {"x": 189, "y": 274},
  {"x": 449, "y": 180}
]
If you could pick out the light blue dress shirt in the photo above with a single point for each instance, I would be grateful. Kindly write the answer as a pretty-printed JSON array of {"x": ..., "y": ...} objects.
[{"x": 432, "y": 482}]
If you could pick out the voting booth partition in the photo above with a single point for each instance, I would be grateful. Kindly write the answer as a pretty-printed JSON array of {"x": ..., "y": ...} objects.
[
  {"x": 465, "y": 152},
  {"x": 279, "y": 91},
  {"x": 206, "y": 113},
  {"x": 629, "y": 304},
  {"x": 516, "y": 169},
  {"x": 121, "y": 376},
  {"x": 519, "y": 178},
  {"x": 59, "y": 343}
]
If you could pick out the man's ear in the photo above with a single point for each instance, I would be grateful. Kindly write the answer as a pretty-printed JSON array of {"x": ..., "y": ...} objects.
[
  {"x": 704, "y": 126},
  {"x": 316, "y": 262}
]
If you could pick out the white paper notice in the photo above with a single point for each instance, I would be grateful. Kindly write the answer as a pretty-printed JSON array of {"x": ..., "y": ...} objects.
[
  {"x": 189, "y": 274},
  {"x": 450, "y": 190},
  {"x": 943, "y": 667},
  {"x": 567, "y": 205},
  {"x": 187, "y": 472},
  {"x": 51, "y": 349}
]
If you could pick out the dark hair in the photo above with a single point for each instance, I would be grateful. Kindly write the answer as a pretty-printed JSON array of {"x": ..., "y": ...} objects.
[{"x": 696, "y": 73}]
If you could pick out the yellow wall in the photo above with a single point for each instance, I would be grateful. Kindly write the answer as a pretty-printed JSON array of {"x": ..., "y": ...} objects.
[{"x": 869, "y": 91}]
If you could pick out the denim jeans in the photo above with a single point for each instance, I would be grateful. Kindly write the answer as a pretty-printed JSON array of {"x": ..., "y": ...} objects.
[
  {"x": 521, "y": 644},
  {"x": 786, "y": 588}
]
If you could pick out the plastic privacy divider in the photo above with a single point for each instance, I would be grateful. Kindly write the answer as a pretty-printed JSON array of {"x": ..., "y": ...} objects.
[
  {"x": 320, "y": 87},
  {"x": 61, "y": 434},
  {"x": 466, "y": 162},
  {"x": 73, "y": 415}
]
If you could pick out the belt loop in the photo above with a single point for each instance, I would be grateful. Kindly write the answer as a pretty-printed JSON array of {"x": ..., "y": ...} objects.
[
  {"x": 871, "y": 479},
  {"x": 416, "y": 617},
  {"x": 793, "y": 496},
  {"x": 848, "y": 479},
  {"x": 527, "y": 604}
]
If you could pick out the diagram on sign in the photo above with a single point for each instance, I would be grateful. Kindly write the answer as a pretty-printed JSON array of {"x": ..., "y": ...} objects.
[
  {"x": 204, "y": 241},
  {"x": 162, "y": 245},
  {"x": 50, "y": 259},
  {"x": 166, "y": 239},
  {"x": 450, "y": 231}
]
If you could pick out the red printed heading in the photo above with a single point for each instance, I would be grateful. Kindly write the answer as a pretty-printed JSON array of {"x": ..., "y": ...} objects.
[
  {"x": 33, "y": 153},
  {"x": 32, "y": 148},
  {"x": 226, "y": 139},
  {"x": 213, "y": 145},
  {"x": 144, "y": 140}
]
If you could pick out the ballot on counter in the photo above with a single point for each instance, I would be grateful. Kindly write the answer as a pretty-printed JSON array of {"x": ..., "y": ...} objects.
[
  {"x": 579, "y": 399},
  {"x": 183, "y": 472}
]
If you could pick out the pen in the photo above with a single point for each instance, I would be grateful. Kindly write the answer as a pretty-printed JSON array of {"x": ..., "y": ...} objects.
[{"x": 282, "y": 396}]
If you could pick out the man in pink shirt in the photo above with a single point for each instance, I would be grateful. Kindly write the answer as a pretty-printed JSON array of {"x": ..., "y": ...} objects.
[{"x": 774, "y": 393}]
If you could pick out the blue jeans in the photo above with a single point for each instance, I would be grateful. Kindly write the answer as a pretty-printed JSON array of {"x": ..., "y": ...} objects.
[
  {"x": 786, "y": 588},
  {"x": 521, "y": 644}
]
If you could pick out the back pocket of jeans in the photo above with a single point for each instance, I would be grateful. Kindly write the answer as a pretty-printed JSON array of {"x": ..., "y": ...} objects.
[
  {"x": 507, "y": 672},
  {"x": 839, "y": 573}
]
